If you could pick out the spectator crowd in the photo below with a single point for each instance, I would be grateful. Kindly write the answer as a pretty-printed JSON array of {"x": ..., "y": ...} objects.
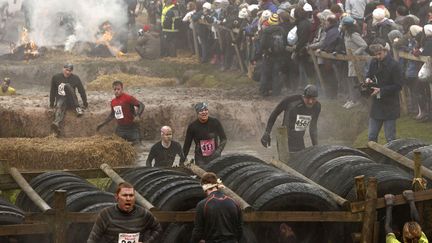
[{"x": 275, "y": 41}]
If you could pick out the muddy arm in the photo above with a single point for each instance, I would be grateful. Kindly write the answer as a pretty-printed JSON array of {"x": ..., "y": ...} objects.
[{"x": 107, "y": 120}]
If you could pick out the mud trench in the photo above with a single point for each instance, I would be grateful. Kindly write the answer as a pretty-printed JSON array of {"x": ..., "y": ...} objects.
[{"x": 242, "y": 113}]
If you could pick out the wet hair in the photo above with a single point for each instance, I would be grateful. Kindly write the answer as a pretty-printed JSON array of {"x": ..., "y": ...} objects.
[
  {"x": 123, "y": 185},
  {"x": 209, "y": 178},
  {"x": 412, "y": 232},
  {"x": 117, "y": 82}
]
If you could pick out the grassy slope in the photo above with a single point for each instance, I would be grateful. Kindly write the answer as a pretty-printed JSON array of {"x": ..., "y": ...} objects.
[{"x": 406, "y": 128}]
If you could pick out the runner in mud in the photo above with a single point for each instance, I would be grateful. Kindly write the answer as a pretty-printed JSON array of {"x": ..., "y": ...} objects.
[
  {"x": 300, "y": 112},
  {"x": 125, "y": 222},
  {"x": 165, "y": 151},
  {"x": 6, "y": 89},
  {"x": 123, "y": 109},
  {"x": 208, "y": 135},
  {"x": 412, "y": 231},
  {"x": 62, "y": 95},
  {"x": 218, "y": 217}
]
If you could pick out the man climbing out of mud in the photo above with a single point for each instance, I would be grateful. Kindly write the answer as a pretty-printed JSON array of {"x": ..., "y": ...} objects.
[
  {"x": 123, "y": 110},
  {"x": 62, "y": 95},
  {"x": 208, "y": 135},
  {"x": 125, "y": 221},
  {"x": 165, "y": 151},
  {"x": 6, "y": 89},
  {"x": 412, "y": 231},
  {"x": 300, "y": 112},
  {"x": 218, "y": 217}
]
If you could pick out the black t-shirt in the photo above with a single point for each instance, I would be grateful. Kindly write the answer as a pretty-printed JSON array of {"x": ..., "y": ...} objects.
[
  {"x": 164, "y": 156},
  {"x": 297, "y": 118},
  {"x": 208, "y": 137}
]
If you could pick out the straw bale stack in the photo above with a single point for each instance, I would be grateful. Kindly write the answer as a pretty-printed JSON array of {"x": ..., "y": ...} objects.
[{"x": 69, "y": 153}]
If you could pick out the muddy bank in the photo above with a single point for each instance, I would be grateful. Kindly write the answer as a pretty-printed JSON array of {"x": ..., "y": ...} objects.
[{"x": 243, "y": 115}]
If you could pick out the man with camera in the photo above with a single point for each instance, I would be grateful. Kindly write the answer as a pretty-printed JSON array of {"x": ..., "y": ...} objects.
[{"x": 383, "y": 83}]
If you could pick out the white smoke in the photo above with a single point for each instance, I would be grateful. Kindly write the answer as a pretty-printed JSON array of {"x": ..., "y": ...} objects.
[{"x": 45, "y": 17}]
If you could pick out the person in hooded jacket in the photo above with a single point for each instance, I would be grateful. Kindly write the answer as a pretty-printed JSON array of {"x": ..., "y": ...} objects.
[{"x": 272, "y": 57}]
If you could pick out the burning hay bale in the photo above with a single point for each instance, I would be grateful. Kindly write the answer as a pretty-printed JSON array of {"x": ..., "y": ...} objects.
[{"x": 74, "y": 153}]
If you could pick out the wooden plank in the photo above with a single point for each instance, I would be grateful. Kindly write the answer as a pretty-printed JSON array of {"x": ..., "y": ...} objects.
[
  {"x": 282, "y": 143},
  {"x": 341, "y": 57},
  {"x": 237, "y": 51},
  {"x": 399, "y": 200},
  {"x": 243, "y": 204},
  {"x": 24, "y": 229},
  {"x": 117, "y": 179},
  {"x": 400, "y": 159},
  {"x": 417, "y": 171},
  {"x": 60, "y": 224},
  {"x": 338, "y": 199},
  {"x": 409, "y": 56},
  {"x": 28, "y": 190},
  {"x": 370, "y": 211},
  {"x": 251, "y": 216}
]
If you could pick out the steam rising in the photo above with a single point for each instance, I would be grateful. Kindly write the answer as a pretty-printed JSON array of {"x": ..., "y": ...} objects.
[{"x": 59, "y": 22}]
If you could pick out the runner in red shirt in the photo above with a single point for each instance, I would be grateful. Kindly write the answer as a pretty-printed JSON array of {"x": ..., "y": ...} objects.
[{"x": 123, "y": 109}]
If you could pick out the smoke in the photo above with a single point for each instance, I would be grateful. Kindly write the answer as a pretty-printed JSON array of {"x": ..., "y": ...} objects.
[{"x": 54, "y": 22}]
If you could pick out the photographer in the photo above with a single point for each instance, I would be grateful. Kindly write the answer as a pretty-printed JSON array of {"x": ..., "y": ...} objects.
[{"x": 383, "y": 82}]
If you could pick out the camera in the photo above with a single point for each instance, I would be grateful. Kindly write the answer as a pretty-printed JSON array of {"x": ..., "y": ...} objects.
[{"x": 367, "y": 85}]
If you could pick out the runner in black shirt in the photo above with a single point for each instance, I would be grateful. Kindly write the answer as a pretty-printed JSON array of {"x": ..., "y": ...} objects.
[
  {"x": 208, "y": 135},
  {"x": 301, "y": 112},
  {"x": 165, "y": 151}
]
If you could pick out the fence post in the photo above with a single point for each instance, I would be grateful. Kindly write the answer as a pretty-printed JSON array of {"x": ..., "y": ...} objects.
[
  {"x": 404, "y": 91},
  {"x": 417, "y": 183},
  {"x": 370, "y": 211},
  {"x": 60, "y": 223},
  {"x": 242, "y": 67},
  {"x": 317, "y": 70},
  {"x": 360, "y": 187}
]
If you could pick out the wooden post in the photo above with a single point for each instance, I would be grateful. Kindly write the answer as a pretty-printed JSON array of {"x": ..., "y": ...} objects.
[
  {"x": 195, "y": 39},
  {"x": 60, "y": 223},
  {"x": 376, "y": 238},
  {"x": 117, "y": 179},
  {"x": 360, "y": 187},
  {"x": 370, "y": 211},
  {"x": 417, "y": 186},
  {"x": 282, "y": 143},
  {"x": 338, "y": 199},
  {"x": 243, "y": 204},
  {"x": 403, "y": 97},
  {"x": 317, "y": 70},
  {"x": 400, "y": 159},
  {"x": 28, "y": 190},
  {"x": 242, "y": 67}
]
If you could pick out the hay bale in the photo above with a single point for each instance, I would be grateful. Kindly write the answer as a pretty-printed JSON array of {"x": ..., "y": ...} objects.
[
  {"x": 104, "y": 82},
  {"x": 71, "y": 153}
]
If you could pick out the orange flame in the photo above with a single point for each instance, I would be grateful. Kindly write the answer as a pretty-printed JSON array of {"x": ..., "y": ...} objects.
[
  {"x": 106, "y": 39},
  {"x": 30, "y": 47}
]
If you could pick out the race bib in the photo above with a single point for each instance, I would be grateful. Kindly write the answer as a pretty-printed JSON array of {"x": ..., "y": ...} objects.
[
  {"x": 61, "y": 90},
  {"x": 118, "y": 112},
  {"x": 128, "y": 238},
  {"x": 302, "y": 123},
  {"x": 207, "y": 147}
]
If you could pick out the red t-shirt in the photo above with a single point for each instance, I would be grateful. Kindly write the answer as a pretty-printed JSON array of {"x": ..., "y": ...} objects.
[{"x": 122, "y": 107}]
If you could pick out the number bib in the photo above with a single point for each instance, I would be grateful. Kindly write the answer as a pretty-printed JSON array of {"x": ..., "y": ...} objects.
[
  {"x": 302, "y": 123},
  {"x": 128, "y": 238},
  {"x": 118, "y": 112},
  {"x": 207, "y": 147},
  {"x": 61, "y": 90}
]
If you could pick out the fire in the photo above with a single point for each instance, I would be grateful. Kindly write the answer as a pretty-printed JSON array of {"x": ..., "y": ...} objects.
[
  {"x": 106, "y": 39},
  {"x": 30, "y": 47}
]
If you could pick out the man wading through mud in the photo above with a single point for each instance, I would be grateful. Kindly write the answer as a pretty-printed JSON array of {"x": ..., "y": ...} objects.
[
  {"x": 165, "y": 151},
  {"x": 125, "y": 222},
  {"x": 62, "y": 95},
  {"x": 208, "y": 135},
  {"x": 301, "y": 112},
  {"x": 123, "y": 109}
]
